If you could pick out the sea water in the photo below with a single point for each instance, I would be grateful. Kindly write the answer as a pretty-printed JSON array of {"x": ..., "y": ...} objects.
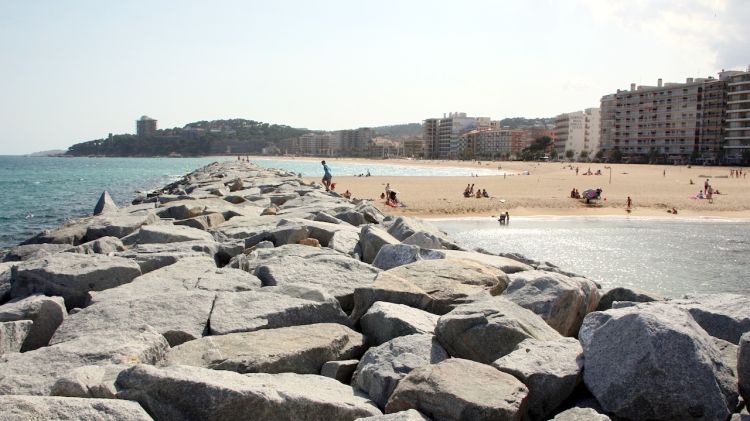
[
  {"x": 671, "y": 257},
  {"x": 37, "y": 193},
  {"x": 311, "y": 168}
]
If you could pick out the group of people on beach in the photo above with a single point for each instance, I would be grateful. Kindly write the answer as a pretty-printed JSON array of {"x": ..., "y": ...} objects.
[
  {"x": 480, "y": 193},
  {"x": 737, "y": 173},
  {"x": 574, "y": 194}
]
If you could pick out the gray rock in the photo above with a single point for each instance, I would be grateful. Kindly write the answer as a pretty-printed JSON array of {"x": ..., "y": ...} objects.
[
  {"x": 404, "y": 227},
  {"x": 743, "y": 367},
  {"x": 625, "y": 294},
  {"x": 47, "y": 313},
  {"x": 118, "y": 225},
  {"x": 180, "y": 317},
  {"x": 72, "y": 233},
  {"x": 154, "y": 256},
  {"x": 274, "y": 307},
  {"x": 436, "y": 286},
  {"x": 352, "y": 217},
  {"x": 188, "y": 275},
  {"x": 580, "y": 414},
  {"x": 408, "y": 415},
  {"x": 728, "y": 352},
  {"x": 58, "y": 408},
  {"x": 150, "y": 234},
  {"x": 724, "y": 316},
  {"x": 103, "y": 245},
  {"x": 561, "y": 301},
  {"x": 13, "y": 334},
  {"x": 339, "y": 370},
  {"x": 385, "y": 321},
  {"x": 662, "y": 365},
  {"x": 71, "y": 276},
  {"x": 183, "y": 210},
  {"x": 489, "y": 329},
  {"x": 105, "y": 204},
  {"x": 382, "y": 367},
  {"x": 393, "y": 255},
  {"x": 192, "y": 393},
  {"x": 279, "y": 236},
  {"x": 33, "y": 251},
  {"x": 338, "y": 275},
  {"x": 203, "y": 222},
  {"x": 505, "y": 264},
  {"x": 424, "y": 240},
  {"x": 91, "y": 381},
  {"x": 298, "y": 349},
  {"x": 550, "y": 369},
  {"x": 35, "y": 372},
  {"x": 5, "y": 281},
  {"x": 371, "y": 239},
  {"x": 457, "y": 389}
]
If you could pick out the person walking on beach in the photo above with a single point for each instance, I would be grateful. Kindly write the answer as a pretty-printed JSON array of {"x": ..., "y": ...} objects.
[
  {"x": 705, "y": 187},
  {"x": 326, "y": 176},
  {"x": 629, "y": 203}
]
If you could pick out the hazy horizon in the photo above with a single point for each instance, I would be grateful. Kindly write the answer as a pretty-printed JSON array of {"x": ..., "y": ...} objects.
[{"x": 76, "y": 71}]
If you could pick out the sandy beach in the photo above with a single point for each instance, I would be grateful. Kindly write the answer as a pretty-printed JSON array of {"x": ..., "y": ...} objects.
[{"x": 546, "y": 190}]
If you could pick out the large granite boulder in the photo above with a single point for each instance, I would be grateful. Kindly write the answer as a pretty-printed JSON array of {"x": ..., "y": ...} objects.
[
  {"x": 191, "y": 274},
  {"x": 655, "y": 362},
  {"x": 724, "y": 316},
  {"x": 5, "y": 281},
  {"x": 103, "y": 245},
  {"x": 35, "y": 372},
  {"x": 297, "y": 349},
  {"x": 580, "y": 414},
  {"x": 180, "y": 317},
  {"x": 390, "y": 256},
  {"x": 385, "y": 321},
  {"x": 105, "y": 204},
  {"x": 489, "y": 329},
  {"x": 72, "y": 232},
  {"x": 274, "y": 307},
  {"x": 191, "y": 393},
  {"x": 47, "y": 313},
  {"x": 457, "y": 389},
  {"x": 625, "y": 294},
  {"x": 743, "y": 367},
  {"x": 339, "y": 370},
  {"x": 33, "y": 251},
  {"x": 203, "y": 222},
  {"x": 338, "y": 275},
  {"x": 89, "y": 381},
  {"x": 59, "y": 408},
  {"x": 404, "y": 227},
  {"x": 154, "y": 256},
  {"x": 118, "y": 225},
  {"x": 13, "y": 335},
  {"x": 408, "y": 415},
  {"x": 425, "y": 240},
  {"x": 166, "y": 233},
  {"x": 71, "y": 276},
  {"x": 503, "y": 263},
  {"x": 550, "y": 369},
  {"x": 436, "y": 286},
  {"x": 560, "y": 300},
  {"x": 382, "y": 367},
  {"x": 371, "y": 239}
]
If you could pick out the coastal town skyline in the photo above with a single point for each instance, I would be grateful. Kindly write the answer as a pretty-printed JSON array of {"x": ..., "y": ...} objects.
[{"x": 80, "y": 69}]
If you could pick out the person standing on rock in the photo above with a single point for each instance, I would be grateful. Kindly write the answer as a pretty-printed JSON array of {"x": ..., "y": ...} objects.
[{"x": 326, "y": 176}]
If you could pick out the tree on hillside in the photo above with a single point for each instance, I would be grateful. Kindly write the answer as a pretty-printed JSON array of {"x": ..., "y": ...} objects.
[
  {"x": 537, "y": 149},
  {"x": 569, "y": 154}
]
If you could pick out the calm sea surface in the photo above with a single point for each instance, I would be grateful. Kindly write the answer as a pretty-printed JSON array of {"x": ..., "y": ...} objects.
[
  {"x": 42, "y": 192},
  {"x": 670, "y": 257}
]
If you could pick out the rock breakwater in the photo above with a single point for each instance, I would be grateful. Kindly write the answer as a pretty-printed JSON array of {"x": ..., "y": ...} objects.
[{"x": 240, "y": 292}]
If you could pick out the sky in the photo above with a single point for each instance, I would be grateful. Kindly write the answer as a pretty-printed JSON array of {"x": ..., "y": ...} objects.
[{"x": 74, "y": 71}]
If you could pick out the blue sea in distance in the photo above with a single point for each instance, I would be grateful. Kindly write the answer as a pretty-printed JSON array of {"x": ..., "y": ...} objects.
[
  {"x": 670, "y": 257},
  {"x": 42, "y": 192},
  {"x": 312, "y": 168}
]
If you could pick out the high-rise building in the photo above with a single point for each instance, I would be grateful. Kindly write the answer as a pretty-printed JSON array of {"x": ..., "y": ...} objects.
[
  {"x": 494, "y": 143},
  {"x": 577, "y": 132},
  {"x": 442, "y": 135},
  {"x": 737, "y": 130},
  {"x": 326, "y": 144},
  {"x": 668, "y": 123},
  {"x": 145, "y": 126},
  {"x": 356, "y": 140}
]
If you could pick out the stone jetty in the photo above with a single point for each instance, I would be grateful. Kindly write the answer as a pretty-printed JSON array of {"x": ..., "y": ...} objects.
[{"x": 243, "y": 293}]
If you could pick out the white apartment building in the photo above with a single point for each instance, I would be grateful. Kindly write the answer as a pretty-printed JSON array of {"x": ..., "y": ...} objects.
[
  {"x": 737, "y": 130},
  {"x": 324, "y": 144},
  {"x": 578, "y": 132},
  {"x": 442, "y": 135}
]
